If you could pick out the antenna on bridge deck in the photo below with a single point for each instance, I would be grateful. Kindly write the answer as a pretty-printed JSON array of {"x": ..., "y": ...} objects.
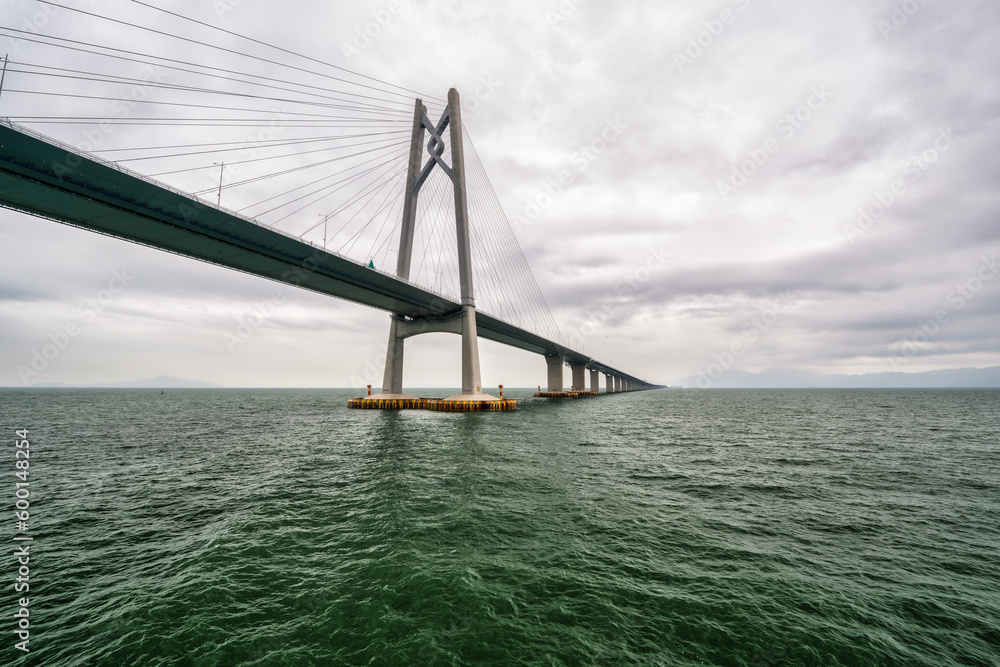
[
  {"x": 326, "y": 217},
  {"x": 222, "y": 169},
  {"x": 4, "y": 74}
]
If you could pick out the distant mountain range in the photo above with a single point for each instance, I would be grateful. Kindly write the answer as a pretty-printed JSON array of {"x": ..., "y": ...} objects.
[
  {"x": 788, "y": 379},
  {"x": 162, "y": 382}
]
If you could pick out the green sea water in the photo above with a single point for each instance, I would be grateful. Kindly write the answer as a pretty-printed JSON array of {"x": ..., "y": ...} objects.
[{"x": 276, "y": 527}]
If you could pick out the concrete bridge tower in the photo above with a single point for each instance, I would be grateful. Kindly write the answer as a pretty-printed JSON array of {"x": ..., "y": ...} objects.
[{"x": 463, "y": 321}]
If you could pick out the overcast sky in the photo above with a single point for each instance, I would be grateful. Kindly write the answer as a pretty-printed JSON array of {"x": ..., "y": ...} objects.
[{"x": 799, "y": 185}]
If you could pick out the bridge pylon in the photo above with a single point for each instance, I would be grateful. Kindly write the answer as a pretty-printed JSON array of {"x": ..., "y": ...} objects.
[{"x": 461, "y": 321}]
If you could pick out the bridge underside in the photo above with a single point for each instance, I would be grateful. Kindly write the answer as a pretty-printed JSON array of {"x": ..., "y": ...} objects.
[{"x": 43, "y": 178}]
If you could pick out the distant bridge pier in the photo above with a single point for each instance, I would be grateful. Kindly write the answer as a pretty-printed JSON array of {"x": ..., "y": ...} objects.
[
  {"x": 578, "y": 369},
  {"x": 618, "y": 384},
  {"x": 595, "y": 381},
  {"x": 555, "y": 373},
  {"x": 609, "y": 383},
  {"x": 554, "y": 370}
]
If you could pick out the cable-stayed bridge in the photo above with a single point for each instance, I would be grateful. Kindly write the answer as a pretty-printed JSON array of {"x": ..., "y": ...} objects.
[{"x": 337, "y": 177}]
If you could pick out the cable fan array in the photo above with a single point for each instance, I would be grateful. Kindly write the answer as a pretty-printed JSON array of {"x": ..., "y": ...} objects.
[{"x": 314, "y": 150}]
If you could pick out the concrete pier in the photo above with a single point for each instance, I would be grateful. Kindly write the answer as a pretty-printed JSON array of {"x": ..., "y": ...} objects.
[
  {"x": 579, "y": 376},
  {"x": 555, "y": 388},
  {"x": 555, "y": 374}
]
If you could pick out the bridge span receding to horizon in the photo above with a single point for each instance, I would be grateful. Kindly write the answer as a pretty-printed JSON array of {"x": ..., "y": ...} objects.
[{"x": 43, "y": 177}]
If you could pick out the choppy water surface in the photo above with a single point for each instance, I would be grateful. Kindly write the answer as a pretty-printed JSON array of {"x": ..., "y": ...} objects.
[{"x": 231, "y": 527}]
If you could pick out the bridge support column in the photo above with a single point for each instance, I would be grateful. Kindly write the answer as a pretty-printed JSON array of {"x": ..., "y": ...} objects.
[
  {"x": 392, "y": 379},
  {"x": 595, "y": 381},
  {"x": 609, "y": 383},
  {"x": 472, "y": 384},
  {"x": 555, "y": 374},
  {"x": 579, "y": 375},
  {"x": 618, "y": 384}
]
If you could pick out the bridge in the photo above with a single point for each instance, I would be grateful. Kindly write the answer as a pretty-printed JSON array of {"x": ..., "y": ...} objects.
[{"x": 50, "y": 179}]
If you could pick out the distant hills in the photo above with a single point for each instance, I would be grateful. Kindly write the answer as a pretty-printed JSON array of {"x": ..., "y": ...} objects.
[
  {"x": 789, "y": 379},
  {"x": 161, "y": 382}
]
